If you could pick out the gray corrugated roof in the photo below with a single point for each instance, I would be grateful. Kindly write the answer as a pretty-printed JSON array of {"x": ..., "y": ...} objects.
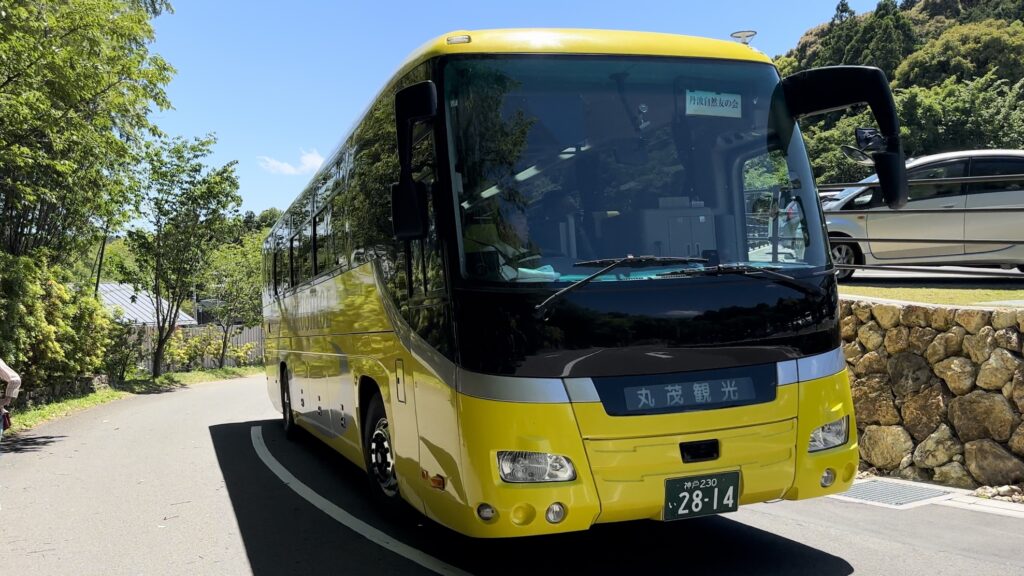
[{"x": 137, "y": 306}]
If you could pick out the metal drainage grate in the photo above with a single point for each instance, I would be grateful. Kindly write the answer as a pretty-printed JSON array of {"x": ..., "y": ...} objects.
[{"x": 891, "y": 493}]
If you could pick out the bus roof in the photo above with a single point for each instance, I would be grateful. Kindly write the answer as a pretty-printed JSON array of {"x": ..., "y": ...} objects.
[{"x": 581, "y": 41}]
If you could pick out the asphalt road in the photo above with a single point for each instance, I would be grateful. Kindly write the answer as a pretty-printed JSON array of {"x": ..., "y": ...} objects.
[{"x": 175, "y": 483}]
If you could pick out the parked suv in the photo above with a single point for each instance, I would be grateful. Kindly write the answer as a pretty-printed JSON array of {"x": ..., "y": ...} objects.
[{"x": 883, "y": 222}]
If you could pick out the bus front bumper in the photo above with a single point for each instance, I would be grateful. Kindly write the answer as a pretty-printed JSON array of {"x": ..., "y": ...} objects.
[{"x": 623, "y": 479}]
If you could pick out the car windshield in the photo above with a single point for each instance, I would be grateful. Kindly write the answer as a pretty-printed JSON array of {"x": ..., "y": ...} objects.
[
  {"x": 847, "y": 192},
  {"x": 557, "y": 161}
]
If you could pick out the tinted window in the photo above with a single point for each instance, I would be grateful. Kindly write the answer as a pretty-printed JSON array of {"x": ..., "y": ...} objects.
[
  {"x": 996, "y": 167},
  {"x": 426, "y": 253},
  {"x": 339, "y": 230},
  {"x": 282, "y": 270},
  {"x": 323, "y": 246},
  {"x": 559, "y": 160},
  {"x": 954, "y": 169},
  {"x": 306, "y": 252}
]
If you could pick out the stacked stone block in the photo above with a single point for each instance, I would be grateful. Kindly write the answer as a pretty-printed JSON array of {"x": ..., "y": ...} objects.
[{"x": 938, "y": 392}]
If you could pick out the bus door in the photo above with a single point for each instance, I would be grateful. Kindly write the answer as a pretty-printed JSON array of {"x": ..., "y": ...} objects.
[{"x": 427, "y": 311}]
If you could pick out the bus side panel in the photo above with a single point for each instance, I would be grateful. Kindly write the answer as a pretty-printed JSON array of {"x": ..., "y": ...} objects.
[{"x": 436, "y": 420}]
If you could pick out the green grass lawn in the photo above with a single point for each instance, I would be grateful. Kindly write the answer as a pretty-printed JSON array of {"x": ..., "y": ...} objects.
[
  {"x": 933, "y": 294},
  {"x": 22, "y": 420}
]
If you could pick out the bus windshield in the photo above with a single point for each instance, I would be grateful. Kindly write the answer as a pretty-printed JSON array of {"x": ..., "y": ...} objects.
[{"x": 561, "y": 162}]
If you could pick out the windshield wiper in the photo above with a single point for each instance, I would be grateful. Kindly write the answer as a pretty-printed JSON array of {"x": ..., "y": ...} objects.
[
  {"x": 612, "y": 263},
  {"x": 753, "y": 272}
]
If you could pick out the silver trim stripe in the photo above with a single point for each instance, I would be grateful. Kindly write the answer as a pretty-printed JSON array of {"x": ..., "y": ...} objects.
[
  {"x": 821, "y": 365},
  {"x": 788, "y": 373},
  {"x": 512, "y": 389},
  {"x": 581, "y": 390},
  {"x": 562, "y": 390}
]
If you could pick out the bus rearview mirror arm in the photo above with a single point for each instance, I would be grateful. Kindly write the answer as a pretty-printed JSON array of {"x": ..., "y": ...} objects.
[
  {"x": 416, "y": 103},
  {"x": 821, "y": 90}
]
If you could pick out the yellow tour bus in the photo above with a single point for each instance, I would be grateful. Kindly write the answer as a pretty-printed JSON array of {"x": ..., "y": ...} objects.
[{"x": 554, "y": 278}]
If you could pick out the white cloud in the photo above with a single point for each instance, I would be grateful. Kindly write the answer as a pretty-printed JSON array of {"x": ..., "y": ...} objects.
[{"x": 309, "y": 161}]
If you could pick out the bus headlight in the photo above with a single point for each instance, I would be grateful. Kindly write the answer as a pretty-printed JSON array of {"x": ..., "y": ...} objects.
[
  {"x": 516, "y": 466},
  {"x": 830, "y": 435}
]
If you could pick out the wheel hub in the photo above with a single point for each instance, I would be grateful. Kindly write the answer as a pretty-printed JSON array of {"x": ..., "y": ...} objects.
[{"x": 382, "y": 461}]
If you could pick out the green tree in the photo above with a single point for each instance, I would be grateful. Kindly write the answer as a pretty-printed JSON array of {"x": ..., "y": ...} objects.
[
  {"x": 839, "y": 34},
  {"x": 188, "y": 210},
  {"x": 49, "y": 332},
  {"x": 986, "y": 112},
  {"x": 77, "y": 85},
  {"x": 268, "y": 218},
  {"x": 978, "y": 10},
  {"x": 967, "y": 51},
  {"x": 232, "y": 283},
  {"x": 884, "y": 39}
]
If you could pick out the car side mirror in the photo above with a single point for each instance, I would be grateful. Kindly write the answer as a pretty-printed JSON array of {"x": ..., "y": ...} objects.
[
  {"x": 821, "y": 90},
  {"x": 869, "y": 139},
  {"x": 856, "y": 154}
]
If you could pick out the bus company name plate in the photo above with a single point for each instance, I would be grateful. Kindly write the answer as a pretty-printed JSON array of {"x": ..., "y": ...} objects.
[{"x": 713, "y": 393}]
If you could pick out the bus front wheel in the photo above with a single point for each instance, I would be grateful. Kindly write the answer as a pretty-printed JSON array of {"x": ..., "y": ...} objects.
[{"x": 378, "y": 453}]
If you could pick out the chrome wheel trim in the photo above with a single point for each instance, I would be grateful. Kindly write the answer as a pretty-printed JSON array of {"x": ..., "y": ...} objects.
[
  {"x": 382, "y": 462},
  {"x": 843, "y": 254}
]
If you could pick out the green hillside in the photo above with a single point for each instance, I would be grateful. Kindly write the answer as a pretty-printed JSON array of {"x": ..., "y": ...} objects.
[{"x": 956, "y": 66}]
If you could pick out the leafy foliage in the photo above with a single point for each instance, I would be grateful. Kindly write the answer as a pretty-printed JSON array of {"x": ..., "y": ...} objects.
[
  {"x": 232, "y": 283},
  {"x": 956, "y": 66},
  {"x": 125, "y": 350},
  {"x": 967, "y": 51},
  {"x": 48, "y": 331},
  {"x": 77, "y": 83},
  {"x": 188, "y": 210}
]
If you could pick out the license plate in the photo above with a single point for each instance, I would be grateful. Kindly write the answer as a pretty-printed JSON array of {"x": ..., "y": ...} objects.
[{"x": 701, "y": 495}]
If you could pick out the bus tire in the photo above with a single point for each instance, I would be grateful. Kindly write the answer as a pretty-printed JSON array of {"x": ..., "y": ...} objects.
[
  {"x": 287, "y": 415},
  {"x": 378, "y": 454}
]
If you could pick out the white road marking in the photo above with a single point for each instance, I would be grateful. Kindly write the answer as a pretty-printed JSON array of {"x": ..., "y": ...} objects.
[
  {"x": 568, "y": 367},
  {"x": 348, "y": 520}
]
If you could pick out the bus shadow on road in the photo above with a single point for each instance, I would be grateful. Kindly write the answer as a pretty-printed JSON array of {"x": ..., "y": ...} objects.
[{"x": 284, "y": 534}]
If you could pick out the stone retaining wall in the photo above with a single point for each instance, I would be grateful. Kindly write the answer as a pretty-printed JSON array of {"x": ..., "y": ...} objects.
[
  {"x": 938, "y": 392},
  {"x": 56, "y": 391}
]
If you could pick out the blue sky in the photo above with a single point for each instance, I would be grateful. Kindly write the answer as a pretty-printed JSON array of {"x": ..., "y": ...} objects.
[{"x": 280, "y": 83}]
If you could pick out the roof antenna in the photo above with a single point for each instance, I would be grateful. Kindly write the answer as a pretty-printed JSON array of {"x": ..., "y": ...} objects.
[{"x": 744, "y": 36}]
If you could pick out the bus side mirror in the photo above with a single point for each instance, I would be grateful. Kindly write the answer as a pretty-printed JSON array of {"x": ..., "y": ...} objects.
[
  {"x": 416, "y": 103},
  {"x": 821, "y": 90},
  {"x": 409, "y": 209}
]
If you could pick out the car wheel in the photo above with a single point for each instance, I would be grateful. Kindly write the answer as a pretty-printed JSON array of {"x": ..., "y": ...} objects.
[
  {"x": 378, "y": 453},
  {"x": 844, "y": 253},
  {"x": 287, "y": 415}
]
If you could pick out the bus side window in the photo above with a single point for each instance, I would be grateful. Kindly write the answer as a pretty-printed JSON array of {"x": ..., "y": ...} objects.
[
  {"x": 339, "y": 230},
  {"x": 427, "y": 267},
  {"x": 322, "y": 247},
  {"x": 295, "y": 261},
  {"x": 306, "y": 252}
]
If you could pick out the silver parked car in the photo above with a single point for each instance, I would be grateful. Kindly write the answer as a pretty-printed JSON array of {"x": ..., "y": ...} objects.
[{"x": 954, "y": 227}]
